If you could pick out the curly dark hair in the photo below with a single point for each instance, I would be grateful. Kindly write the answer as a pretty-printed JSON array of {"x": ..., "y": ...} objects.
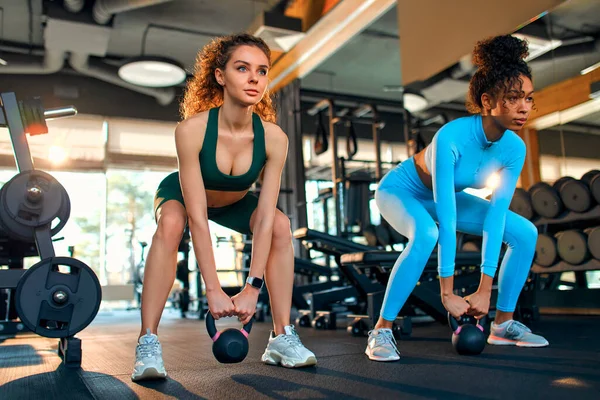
[
  {"x": 500, "y": 63},
  {"x": 203, "y": 92}
]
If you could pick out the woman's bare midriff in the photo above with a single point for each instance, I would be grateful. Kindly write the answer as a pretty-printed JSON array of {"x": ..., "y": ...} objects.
[
  {"x": 217, "y": 198},
  {"x": 422, "y": 169}
]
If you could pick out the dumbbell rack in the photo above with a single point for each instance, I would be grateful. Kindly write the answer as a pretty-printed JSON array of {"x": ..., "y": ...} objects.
[
  {"x": 557, "y": 224},
  {"x": 566, "y": 300},
  {"x": 50, "y": 301}
]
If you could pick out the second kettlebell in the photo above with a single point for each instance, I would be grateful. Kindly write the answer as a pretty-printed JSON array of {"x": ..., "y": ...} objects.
[
  {"x": 467, "y": 339},
  {"x": 231, "y": 345}
]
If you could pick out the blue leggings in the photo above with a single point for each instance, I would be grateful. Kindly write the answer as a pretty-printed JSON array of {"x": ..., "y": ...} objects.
[{"x": 407, "y": 204}]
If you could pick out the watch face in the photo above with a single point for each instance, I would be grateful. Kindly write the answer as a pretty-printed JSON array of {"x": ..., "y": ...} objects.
[{"x": 256, "y": 282}]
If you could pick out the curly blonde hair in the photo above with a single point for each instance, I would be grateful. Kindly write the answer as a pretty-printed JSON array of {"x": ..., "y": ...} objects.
[{"x": 203, "y": 92}]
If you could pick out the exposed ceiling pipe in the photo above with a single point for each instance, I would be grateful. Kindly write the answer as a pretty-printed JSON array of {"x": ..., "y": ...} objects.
[
  {"x": 108, "y": 73},
  {"x": 74, "y": 6},
  {"x": 19, "y": 49},
  {"x": 577, "y": 49},
  {"x": 52, "y": 62},
  {"x": 104, "y": 9}
]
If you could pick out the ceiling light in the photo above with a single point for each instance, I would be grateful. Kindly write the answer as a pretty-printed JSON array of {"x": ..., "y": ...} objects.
[
  {"x": 3, "y": 61},
  {"x": 414, "y": 102},
  {"x": 538, "y": 46},
  {"x": 590, "y": 68},
  {"x": 152, "y": 72}
]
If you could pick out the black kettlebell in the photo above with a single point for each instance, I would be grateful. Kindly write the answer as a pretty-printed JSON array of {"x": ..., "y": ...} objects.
[
  {"x": 467, "y": 339},
  {"x": 231, "y": 345}
]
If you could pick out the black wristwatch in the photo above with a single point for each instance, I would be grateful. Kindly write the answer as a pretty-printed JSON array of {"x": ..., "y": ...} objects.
[{"x": 255, "y": 282}]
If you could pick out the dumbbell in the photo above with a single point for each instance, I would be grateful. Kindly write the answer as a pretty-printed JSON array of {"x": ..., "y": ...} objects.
[
  {"x": 593, "y": 241},
  {"x": 545, "y": 200},
  {"x": 521, "y": 204},
  {"x": 572, "y": 246},
  {"x": 574, "y": 194},
  {"x": 592, "y": 180},
  {"x": 546, "y": 253}
]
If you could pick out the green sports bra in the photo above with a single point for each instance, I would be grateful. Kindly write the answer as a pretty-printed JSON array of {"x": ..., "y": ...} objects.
[{"x": 213, "y": 178}]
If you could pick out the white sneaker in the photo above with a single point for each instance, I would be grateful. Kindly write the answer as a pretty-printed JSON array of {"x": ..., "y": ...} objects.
[
  {"x": 287, "y": 350},
  {"x": 514, "y": 333},
  {"x": 381, "y": 346},
  {"x": 148, "y": 359}
]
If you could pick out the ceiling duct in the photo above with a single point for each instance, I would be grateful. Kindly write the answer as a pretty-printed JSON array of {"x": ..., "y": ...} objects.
[
  {"x": 104, "y": 9},
  {"x": 538, "y": 46},
  {"x": 52, "y": 62},
  {"x": 74, "y": 6},
  {"x": 589, "y": 47},
  {"x": 108, "y": 73},
  {"x": 279, "y": 31}
]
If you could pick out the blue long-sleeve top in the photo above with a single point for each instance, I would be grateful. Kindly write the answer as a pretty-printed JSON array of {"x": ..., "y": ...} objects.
[{"x": 460, "y": 156}]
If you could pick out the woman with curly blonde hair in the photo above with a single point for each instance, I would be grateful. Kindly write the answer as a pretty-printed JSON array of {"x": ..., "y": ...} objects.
[{"x": 227, "y": 139}]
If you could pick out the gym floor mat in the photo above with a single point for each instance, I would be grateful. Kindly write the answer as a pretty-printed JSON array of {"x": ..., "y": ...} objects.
[{"x": 428, "y": 368}]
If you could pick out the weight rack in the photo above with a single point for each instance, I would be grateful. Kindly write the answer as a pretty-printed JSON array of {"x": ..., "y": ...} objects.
[{"x": 51, "y": 301}]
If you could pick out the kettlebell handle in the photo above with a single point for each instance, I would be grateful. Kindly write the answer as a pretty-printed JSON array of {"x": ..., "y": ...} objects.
[
  {"x": 456, "y": 327},
  {"x": 212, "y": 329}
]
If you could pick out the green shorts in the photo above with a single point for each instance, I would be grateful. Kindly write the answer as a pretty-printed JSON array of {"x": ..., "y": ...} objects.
[{"x": 235, "y": 216}]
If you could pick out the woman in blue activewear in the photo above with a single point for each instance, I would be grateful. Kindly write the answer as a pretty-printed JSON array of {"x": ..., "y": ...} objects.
[{"x": 428, "y": 188}]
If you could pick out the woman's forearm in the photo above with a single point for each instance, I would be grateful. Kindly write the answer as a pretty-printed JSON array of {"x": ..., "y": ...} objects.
[
  {"x": 261, "y": 247},
  {"x": 203, "y": 251},
  {"x": 447, "y": 286},
  {"x": 485, "y": 285}
]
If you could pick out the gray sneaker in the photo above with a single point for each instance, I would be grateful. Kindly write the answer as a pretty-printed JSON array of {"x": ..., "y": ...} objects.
[
  {"x": 381, "y": 345},
  {"x": 287, "y": 350},
  {"x": 514, "y": 333},
  {"x": 148, "y": 359}
]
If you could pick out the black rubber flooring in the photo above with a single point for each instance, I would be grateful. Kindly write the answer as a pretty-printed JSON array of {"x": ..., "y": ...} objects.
[{"x": 429, "y": 368}]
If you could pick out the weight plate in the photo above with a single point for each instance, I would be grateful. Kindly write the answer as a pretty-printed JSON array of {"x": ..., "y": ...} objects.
[
  {"x": 575, "y": 195},
  {"x": 593, "y": 241},
  {"x": 592, "y": 178},
  {"x": 559, "y": 182},
  {"x": 521, "y": 204},
  {"x": 545, "y": 200},
  {"x": 545, "y": 250},
  {"x": 57, "y": 304},
  {"x": 20, "y": 216},
  {"x": 572, "y": 246}
]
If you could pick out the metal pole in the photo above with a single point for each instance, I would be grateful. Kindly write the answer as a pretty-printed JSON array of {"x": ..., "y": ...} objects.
[
  {"x": 375, "y": 125},
  {"x": 17, "y": 132},
  {"x": 377, "y": 144},
  {"x": 321, "y": 105},
  {"x": 335, "y": 172},
  {"x": 59, "y": 112}
]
